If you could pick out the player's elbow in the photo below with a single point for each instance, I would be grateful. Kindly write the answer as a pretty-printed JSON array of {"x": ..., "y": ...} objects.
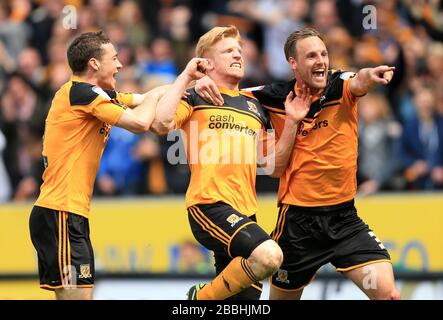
[
  {"x": 140, "y": 126},
  {"x": 275, "y": 174},
  {"x": 162, "y": 127}
]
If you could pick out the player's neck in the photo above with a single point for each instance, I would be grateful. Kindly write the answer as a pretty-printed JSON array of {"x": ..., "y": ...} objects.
[
  {"x": 299, "y": 81},
  {"x": 88, "y": 78},
  {"x": 230, "y": 83},
  {"x": 316, "y": 92}
]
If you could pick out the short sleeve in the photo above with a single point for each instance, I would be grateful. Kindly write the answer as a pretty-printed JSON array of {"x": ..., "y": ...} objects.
[
  {"x": 183, "y": 113},
  {"x": 348, "y": 99},
  {"x": 277, "y": 122},
  {"x": 266, "y": 142},
  {"x": 106, "y": 110},
  {"x": 93, "y": 100},
  {"x": 125, "y": 98}
]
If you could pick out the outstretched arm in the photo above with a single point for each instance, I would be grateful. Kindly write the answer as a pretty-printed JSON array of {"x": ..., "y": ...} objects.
[
  {"x": 137, "y": 98},
  {"x": 167, "y": 106},
  {"x": 366, "y": 78},
  {"x": 139, "y": 119}
]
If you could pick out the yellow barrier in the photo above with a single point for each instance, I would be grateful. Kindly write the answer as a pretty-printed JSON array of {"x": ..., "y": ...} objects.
[{"x": 145, "y": 235}]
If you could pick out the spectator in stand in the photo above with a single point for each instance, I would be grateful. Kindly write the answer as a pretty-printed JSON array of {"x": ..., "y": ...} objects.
[
  {"x": 13, "y": 31},
  {"x": 30, "y": 65},
  {"x": 378, "y": 140},
  {"x": 422, "y": 144},
  {"x": 278, "y": 18},
  {"x": 22, "y": 115},
  {"x": 340, "y": 46},
  {"x": 324, "y": 15},
  {"x": 255, "y": 70},
  {"x": 161, "y": 62},
  {"x": 120, "y": 173}
]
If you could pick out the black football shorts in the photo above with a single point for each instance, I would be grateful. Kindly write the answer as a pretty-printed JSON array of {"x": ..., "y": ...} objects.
[
  {"x": 65, "y": 255},
  {"x": 313, "y": 237}
]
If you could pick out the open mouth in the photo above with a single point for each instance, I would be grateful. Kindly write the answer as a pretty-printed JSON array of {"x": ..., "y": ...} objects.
[
  {"x": 319, "y": 73},
  {"x": 236, "y": 65}
]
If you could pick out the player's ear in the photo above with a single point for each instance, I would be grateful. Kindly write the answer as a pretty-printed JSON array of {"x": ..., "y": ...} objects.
[
  {"x": 94, "y": 64},
  {"x": 293, "y": 63},
  {"x": 210, "y": 65}
]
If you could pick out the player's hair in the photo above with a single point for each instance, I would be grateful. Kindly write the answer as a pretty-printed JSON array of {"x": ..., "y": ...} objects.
[
  {"x": 86, "y": 46},
  {"x": 214, "y": 35},
  {"x": 291, "y": 41}
]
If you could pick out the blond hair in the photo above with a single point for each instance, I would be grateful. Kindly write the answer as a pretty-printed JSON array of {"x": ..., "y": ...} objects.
[{"x": 214, "y": 35}]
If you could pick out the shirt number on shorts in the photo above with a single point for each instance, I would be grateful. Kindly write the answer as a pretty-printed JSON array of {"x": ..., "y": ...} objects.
[{"x": 372, "y": 235}]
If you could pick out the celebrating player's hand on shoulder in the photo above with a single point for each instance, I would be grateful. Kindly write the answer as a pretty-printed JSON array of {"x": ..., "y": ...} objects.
[
  {"x": 297, "y": 108},
  {"x": 207, "y": 89}
]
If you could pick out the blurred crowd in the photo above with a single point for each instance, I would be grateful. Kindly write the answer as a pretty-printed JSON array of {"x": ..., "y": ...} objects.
[{"x": 401, "y": 125}]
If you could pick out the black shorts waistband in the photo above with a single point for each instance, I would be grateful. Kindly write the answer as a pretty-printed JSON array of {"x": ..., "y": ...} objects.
[{"x": 323, "y": 210}]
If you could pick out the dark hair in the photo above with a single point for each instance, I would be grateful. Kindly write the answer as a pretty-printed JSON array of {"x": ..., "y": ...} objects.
[
  {"x": 291, "y": 41},
  {"x": 6, "y": 7},
  {"x": 86, "y": 46}
]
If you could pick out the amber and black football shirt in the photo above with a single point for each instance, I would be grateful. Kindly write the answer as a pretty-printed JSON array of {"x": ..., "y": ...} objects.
[
  {"x": 76, "y": 132},
  {"x": 221, "y": 148},
  {"x": 322, "y": 169}
]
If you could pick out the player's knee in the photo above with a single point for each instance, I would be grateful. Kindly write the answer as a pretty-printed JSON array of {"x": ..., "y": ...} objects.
[
  {"x": 268, "y": 256},
  {"x": 273, "y": 260},
  {"x": 391, "y": 294},
  {"x": 394, "y": 294}
]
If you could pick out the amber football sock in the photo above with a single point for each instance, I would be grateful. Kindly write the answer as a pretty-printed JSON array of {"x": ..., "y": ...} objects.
[{"x": 236, "y": 277}]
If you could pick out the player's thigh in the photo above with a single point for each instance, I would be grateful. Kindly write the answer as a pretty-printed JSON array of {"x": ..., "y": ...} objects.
[
  {"x": 80, "y": 252},
  {"x": 46, "y": 234},
  {"x": 297, "y": 235},
  {"x": 376, "y": 280},
  {"x": 74, "y": 294},
  {"x": 357, "y": 245},
  {"x": 362, "y": 257},
  {"x": 224, "y": 230},
  {"x": 65, "y": 255},
  {"x": 276, "y": 293}
]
